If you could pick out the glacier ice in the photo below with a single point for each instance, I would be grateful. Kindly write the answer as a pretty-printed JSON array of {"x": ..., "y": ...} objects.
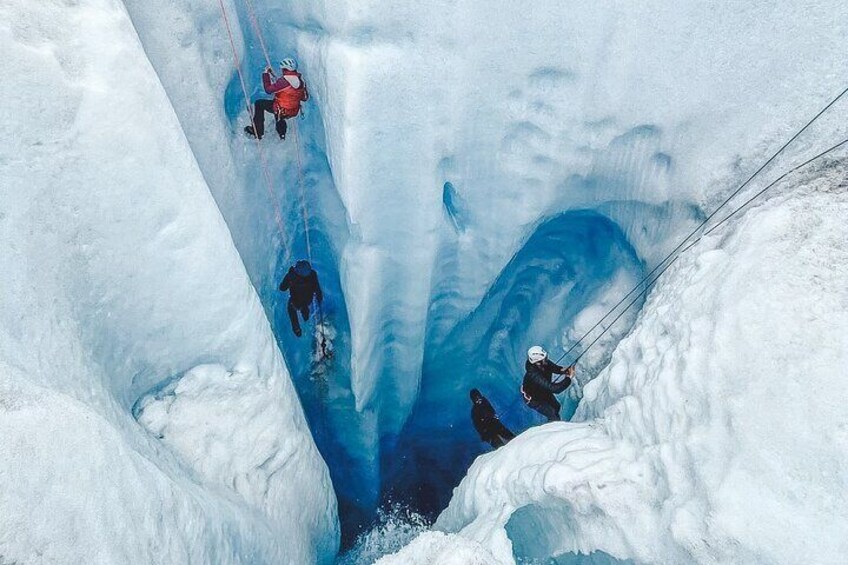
[
  {"x": 565, "y": 108},
  {"x": 716, "y": 429},
  {"x": 440, "y": 140},
  {"x": 119, "y": 274},
  {"x": 647, "y": 114},
  {"x": 206, "y": 94},
  {"x": 444, "y": 142}
]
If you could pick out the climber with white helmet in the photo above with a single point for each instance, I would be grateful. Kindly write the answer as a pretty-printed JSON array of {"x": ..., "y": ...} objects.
[
  {"x": 539, "y": 388},
  {"x": 289, "y": 91}
]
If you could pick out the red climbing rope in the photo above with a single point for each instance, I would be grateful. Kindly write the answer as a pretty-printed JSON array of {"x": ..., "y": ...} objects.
[
  {"x": 252, "y": 15},
  {"x": 270, "y": 185}
]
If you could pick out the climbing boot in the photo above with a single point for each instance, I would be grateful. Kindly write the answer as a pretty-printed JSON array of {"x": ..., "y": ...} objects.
[{"x": 250, "y": 132}]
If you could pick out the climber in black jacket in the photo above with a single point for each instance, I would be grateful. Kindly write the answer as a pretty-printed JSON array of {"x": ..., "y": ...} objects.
[
  {"x": 302, "y": 283},
  {"x": 487, "y": 423},
  {"x": 539, "y": 387}
]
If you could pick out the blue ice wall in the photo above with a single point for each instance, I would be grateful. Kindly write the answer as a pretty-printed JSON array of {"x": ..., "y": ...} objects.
[
  {"x": 537, "y": 547},
  {"x": 341, "y": 433},
  {"x": 561, "y": 269},
  {"x": 566, "y": 261}
]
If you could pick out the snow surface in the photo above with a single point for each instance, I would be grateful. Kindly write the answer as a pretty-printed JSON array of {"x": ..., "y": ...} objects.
[
  {"x": 717, "y": 434},
  {"x": 435, "y": 547},
  {"x": 119, "y": 275}
]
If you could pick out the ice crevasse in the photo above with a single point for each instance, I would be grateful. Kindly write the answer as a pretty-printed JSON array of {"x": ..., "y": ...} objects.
[
  {"x": 455, "y": 134},
  {"x": 443, "y": 141},
  {"x": 717, "y": 434}
]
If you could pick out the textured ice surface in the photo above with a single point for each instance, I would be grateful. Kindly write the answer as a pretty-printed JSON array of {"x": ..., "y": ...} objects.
[
  {"x": 646, "y": 113},
  {"x": 596, "y": 105},
  {"x": 717, "y": 425},
  {"x": 443, "y": 139},
  {"x": 119, "y": 274}
]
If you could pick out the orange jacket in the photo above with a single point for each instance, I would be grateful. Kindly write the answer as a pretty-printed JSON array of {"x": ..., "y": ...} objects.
[{"x": 287, "y": 98}]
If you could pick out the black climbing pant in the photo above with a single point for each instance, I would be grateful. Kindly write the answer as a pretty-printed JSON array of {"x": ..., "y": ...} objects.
[
  {"x": 549, "y": 408},
  {"x": 259, "y": 109},
  {"x": 500, "y": 434},
  {"x": 293, "y": 309}
]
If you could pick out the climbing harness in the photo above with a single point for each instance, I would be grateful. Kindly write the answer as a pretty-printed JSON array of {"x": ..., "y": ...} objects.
[
  {"x": 655, "y": 273},
  {"x": 325, "y": 352}
]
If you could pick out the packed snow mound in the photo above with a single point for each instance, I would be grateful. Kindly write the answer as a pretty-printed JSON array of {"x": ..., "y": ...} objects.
[
  {"x": 201, "y": 416},
  {"x": 717, "y": 434},
  {"x": 119, "y": 274},
  {"x": 81, "y": 488}
]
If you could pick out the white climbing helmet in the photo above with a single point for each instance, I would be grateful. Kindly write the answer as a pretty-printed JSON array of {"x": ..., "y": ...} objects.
[
  {"x": 289, "y": 64},
  {"x": 536, "y": 354}
]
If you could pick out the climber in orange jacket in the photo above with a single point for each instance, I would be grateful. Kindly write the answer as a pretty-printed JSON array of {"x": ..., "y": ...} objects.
[{"x": 289, "y": 91}]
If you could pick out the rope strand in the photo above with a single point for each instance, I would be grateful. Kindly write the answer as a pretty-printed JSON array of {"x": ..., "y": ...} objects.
[
  {"x": 252, "y": 15},
  {"x": 269, "y": 183},
  {"x": 775, "y": 181},
  {"x": 712, "y": 229},
  {"x": 306, "y": 231},
  {"x": 304, "y": 210},
  {"x": 699, "y": 227},
  {"x": 303, "y": 207}
]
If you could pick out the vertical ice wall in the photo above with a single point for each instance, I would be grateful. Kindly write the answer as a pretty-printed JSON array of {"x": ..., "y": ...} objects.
[
  {"x": 527, "y": 113},
  {"x": 454, "y": 130},
  {"x": 189, "y": 48},
  {"x": 118, "y": 274}
]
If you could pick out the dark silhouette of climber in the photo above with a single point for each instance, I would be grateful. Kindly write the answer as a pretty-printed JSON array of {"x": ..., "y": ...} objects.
[
  {"x": 302, "y": 283},
  {"x": 486, "y": 421},
  {"x": 539, "y": 388}
]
